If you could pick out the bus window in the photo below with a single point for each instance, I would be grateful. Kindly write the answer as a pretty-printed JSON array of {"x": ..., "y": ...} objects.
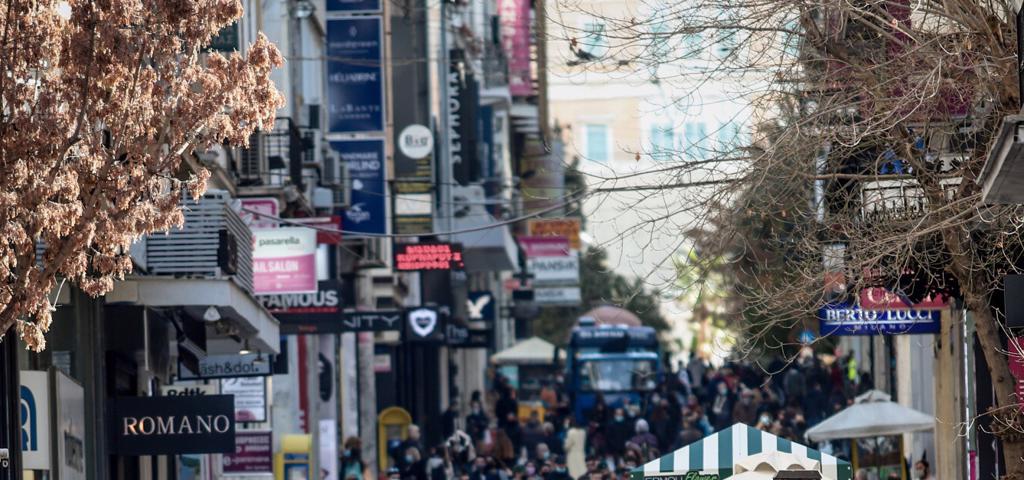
[{"x": 617, "y": 375}]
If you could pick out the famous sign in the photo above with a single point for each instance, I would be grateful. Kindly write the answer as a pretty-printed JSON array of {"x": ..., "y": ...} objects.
[
  {"x": 410, "y": 257},
  {"x": 317, "y": 312}
]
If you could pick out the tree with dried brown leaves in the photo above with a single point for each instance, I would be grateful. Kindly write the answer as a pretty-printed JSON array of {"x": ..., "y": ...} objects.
[
  {"x": 874, "y": 120},
  {"x": 102, "y": 102}
]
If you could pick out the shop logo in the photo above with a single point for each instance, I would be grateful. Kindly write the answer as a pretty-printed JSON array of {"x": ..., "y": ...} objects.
[
  {"x": 423, "y": 321},
  {"x": 356, "y": 214},
  {"x": 477, "y": 305},
  {"x": 29, "y": 421}
]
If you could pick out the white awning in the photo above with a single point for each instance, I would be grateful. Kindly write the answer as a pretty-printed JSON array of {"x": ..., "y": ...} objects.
[
  {"x": 873, "y": 415},
  {"x": 532, "y": 351},
  {"x": 196, "y": 295}
]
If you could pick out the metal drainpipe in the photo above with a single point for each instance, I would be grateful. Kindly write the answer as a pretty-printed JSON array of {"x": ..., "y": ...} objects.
[{"x": 10, "y": 414}]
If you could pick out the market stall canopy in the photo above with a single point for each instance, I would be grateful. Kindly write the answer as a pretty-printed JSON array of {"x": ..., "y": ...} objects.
[
  {"x": 532, "y": 351},
  {"x": 767, "y": 464},
  {"x": 716, "y": 456},
  {"x": 873, "y": 414}
]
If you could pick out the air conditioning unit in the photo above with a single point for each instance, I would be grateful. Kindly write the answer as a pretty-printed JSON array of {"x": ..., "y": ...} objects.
[
  {"x": 334, "y": 175},
  {"x": 218, "y": 155},
  {"x": 376, "y": 253},
  {"x": 252, "y": 161}
]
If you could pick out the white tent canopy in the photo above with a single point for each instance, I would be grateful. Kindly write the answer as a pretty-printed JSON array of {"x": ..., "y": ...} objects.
[
  {"x": 873, "y": 414},
  {"x": 532, "y": 351}
]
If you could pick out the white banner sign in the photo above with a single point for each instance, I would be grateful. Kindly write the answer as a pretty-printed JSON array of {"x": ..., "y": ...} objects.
[
  {"x": 70, "y": 418},
  {"x": 250, "y": 397},
  {"x": 567, "y": 296},
  {"x": 284, "y": 260},
  {"x": 35, "y": 420},
  {"x": 555, "y": 270}
]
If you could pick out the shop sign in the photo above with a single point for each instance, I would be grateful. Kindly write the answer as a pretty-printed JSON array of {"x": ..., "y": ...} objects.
[
  {"x": 852, "y": 320},
  {"x": 172, "y": 425},
  {"x": 691, "y": 475},
  {"x": 458, "y": 336},
  {"x": 424, "y": 324},
  {"x": 554, "y": 270},
  {"x": 188, "y": 390},
  {"x": 1016, "y": 350},
  {"x": 327, "y": 232},
  {"x": 250, "y": 397},
  {"x": 376, "y": 321},
  {"x": 416, "y": 141},
  {"x": 480, "y": 306},
  {"x": 878, "y": 298},
  {"x": 284, "y": 261},
  {"x": 515, "y": 41},
  {"x": 69, "y": 416},
  {"x": 366, "y": 212},
  {"x": 382, "y": 363},
  {"x": 352, "y": 6},
  {"x": 411, "y": 257},
  {"x": 254, "y": 454},
  {"x": 545, "y": 246},
  {"x": 228, "y": 366},
  {"x": 355, "y": 75},
  {"x": 261, "y": 212},
  {"x": 35, "y": 420},
  {"x": 568, "y": 228},
  {"x": 319, "y": 312},
  {"x": 557, "y": 296}
]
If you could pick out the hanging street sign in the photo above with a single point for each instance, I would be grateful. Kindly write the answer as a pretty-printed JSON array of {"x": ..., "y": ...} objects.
[
  {"x": 373, "y": 321},
  {"x": 852, "y": 320},
  {"x": 172, "y": 425}
]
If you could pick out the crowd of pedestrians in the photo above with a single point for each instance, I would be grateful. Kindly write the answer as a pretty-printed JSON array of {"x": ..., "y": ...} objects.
[{"x": 489, "y": 441}]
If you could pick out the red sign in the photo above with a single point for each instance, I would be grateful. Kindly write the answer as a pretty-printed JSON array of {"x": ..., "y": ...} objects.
[
  {"x": 411, "y": 257},
  {"x": 1016, "y": 348},
  {"x": 878, "y": 298},
  {"x": 261, "y": 212},
  {"x": 324, "y": 226},
  {"x": 545, "y": 246},
  {"x": 253, "y": 453},
  {"x": 557, "y": 227}
]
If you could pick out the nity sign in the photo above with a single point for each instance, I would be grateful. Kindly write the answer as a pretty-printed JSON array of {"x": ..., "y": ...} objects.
[{"x": 173, "y": 425}]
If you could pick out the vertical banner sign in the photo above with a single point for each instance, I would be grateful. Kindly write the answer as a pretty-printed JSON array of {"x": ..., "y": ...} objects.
[
  {"x": 463, "y": 103},
  {"x": 253, "y": 454},
  {"x": 515, "y": 41},
  {"x": 69, "y": 415},
  {"x": 35, "y": 420},
  {"x": 284, "y": 261},
  {"x": 355, "y": 75},
  {"x": 365, "y": 162}
]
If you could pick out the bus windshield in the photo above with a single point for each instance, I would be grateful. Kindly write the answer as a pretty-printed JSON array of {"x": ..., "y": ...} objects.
[{"x": 617, "y": 375}]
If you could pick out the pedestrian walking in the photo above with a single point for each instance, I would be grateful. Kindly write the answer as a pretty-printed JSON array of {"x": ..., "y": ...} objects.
[{"x": 575, "y": 450}]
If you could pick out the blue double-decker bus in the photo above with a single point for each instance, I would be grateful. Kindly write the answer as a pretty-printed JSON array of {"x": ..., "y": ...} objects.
[{"x": 617, "y": 362}]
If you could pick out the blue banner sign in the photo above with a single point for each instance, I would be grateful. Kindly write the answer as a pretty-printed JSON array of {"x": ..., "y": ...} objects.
[
  {"x": 852, "y": 320},
  {"x": 365, "y": 162},
  {"x": 353, "y": 6},
  {"x": 355, "y": 75}
]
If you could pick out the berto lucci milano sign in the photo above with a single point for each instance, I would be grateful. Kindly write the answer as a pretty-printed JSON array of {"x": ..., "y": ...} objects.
[
  {"x": 845, "y": 319},
  {"x": 173, "y": 425}
]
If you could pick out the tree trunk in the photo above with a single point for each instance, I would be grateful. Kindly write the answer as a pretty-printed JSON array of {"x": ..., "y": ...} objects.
[{"x": 1007, "y": 420}]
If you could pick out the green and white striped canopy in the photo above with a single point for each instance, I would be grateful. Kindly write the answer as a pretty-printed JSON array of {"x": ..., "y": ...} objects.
[{"x": 715, "y": 455}]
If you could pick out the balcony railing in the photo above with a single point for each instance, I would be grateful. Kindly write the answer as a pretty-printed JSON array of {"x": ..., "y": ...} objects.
[
  {"x": 214, "y": 242},
  {"x": 276, "y": 157}
]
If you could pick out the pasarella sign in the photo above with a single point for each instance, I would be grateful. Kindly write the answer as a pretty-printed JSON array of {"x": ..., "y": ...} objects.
[
  {"x": 845, "y": 319},
  {"x": 411, "y": 257},
  {"x": 173, "y": 425},
  {"x": 284, "y": 261}
]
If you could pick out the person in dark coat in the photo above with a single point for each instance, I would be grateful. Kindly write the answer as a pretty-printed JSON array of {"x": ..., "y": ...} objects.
[{"x": 619, "y": 431}]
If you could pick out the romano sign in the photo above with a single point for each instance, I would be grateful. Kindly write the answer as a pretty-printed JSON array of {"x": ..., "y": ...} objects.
[{"x": 172, "y": 425}]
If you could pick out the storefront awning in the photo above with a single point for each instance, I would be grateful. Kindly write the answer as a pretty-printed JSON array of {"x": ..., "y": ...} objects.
[
  {"x": 718, "y": 454},
  {"x": 196, "y": 296}
]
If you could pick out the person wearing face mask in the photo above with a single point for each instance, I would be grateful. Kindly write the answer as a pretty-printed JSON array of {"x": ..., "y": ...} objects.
[
  {"x": 922, "y": 471},
  {"x": 414, "y": 465},
  {"x": 560, "y": 471},
  {"x": 352, "y": 459},
  {"x": 721, "y": 406},
  {"x": 745, "y": 411},
  {"x": 620, "y": 429},
  {"x": 476, "y": 421}
]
